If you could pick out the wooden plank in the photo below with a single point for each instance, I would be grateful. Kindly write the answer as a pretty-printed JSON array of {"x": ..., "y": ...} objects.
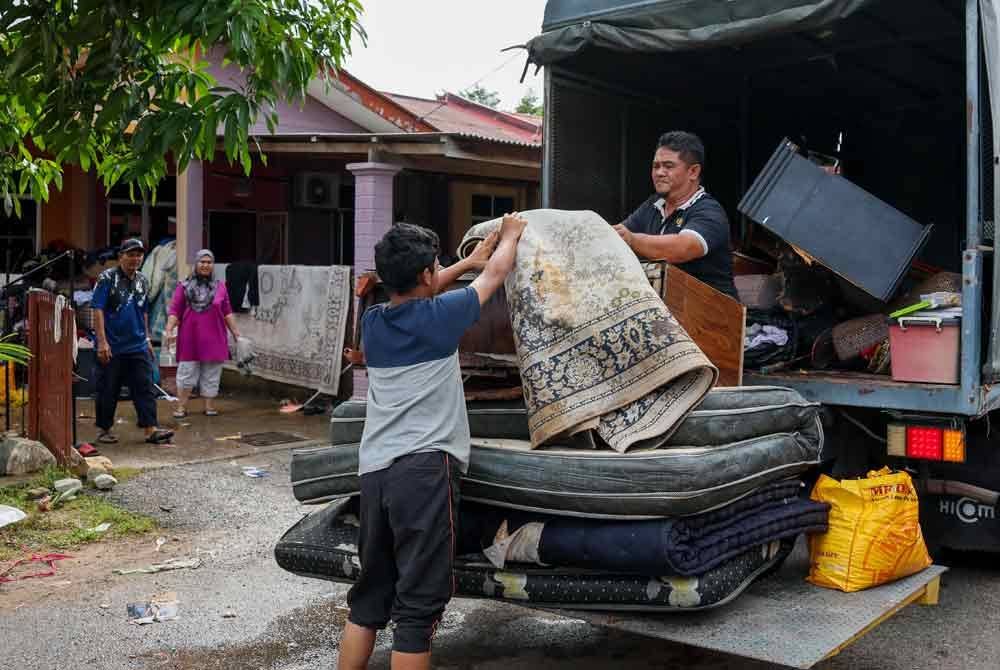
[{"x": 715, "y": 322}]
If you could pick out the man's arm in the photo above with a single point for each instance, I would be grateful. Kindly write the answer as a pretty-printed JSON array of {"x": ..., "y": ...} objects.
[
  {"x": 502, "y": 261},
  {"x": 679, "y": 248},
  {"x": 475, "y": 261},
  {"x": 103, "y": 349}
]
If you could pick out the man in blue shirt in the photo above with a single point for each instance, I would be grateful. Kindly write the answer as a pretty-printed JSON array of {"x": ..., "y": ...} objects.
[
  {"x": 681, "y": 223},
  {"x": 416, "y": 440},
  {"x": 124, "y": 349}
]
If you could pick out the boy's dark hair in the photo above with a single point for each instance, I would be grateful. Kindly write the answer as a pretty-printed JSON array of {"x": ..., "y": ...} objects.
[
  {"x": 688, "y": 145},
  {"x": 403, "y": 253}
]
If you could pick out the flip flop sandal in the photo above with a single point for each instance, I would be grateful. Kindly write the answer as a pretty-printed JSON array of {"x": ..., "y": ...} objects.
[
  {"x": 160, "y": 436},
  {"x": 211, "y": 412},
  {"x": 107, "y": 438},
  {"x": 87, "y": 450},
  {"x": 180, "y": 414}
]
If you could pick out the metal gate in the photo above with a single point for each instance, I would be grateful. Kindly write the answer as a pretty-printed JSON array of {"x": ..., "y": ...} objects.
[{"x": 50, "y": 373}]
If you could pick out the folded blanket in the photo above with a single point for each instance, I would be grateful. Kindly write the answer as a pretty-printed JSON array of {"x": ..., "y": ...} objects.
[
  {"x": 601, "y": 357},
  {"x": 685, "y": 546}
]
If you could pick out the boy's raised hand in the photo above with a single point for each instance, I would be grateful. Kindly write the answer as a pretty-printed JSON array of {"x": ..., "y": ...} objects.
[
  {"x": 481, "y": 254},
  {"x": 512, "y": 226}
]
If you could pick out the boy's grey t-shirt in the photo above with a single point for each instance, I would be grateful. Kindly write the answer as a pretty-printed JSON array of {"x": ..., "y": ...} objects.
[{"x": 415, "y": 396}]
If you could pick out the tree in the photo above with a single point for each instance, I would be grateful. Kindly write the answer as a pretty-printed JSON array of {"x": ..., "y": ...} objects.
[
  {"x": 529, "y": 103},
  {"x": 118, "y": 84},
  {"x": 482, "y": 95}
]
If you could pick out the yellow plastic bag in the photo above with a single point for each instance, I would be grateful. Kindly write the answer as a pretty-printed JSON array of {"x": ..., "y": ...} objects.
[{"x": 874, "y": 534}]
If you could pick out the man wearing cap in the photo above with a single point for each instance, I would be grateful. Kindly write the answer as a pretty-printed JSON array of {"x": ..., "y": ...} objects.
[{"x": 124, "y": 349}]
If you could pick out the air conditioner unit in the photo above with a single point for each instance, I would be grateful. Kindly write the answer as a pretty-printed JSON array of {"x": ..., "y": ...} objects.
[{"x": 319, "y": 190}]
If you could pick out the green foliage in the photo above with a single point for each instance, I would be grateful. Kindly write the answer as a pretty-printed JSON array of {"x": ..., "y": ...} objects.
[
  {"x": 13, "y": 353},
  {"x": 530, "y": 104},
  {"x": 482, "y": 95},
  {"x": 116, "y": 85}
]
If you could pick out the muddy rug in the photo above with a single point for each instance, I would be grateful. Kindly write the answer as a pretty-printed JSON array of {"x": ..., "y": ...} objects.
[
  {"x": 601, "y": 358},
  {"x": 298, "y": 328}
]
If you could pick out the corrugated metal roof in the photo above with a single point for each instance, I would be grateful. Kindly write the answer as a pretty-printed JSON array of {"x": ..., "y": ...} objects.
[{"x": 457, "y": 116}]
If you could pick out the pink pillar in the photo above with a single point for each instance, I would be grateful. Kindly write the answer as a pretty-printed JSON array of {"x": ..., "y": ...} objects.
[
  {"x": 190, "y": 206},
  {"x": 372, "y": 218}
]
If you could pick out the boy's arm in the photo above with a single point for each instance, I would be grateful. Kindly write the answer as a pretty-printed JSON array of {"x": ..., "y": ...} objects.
[
  {"x": 502, "y": 261},
  {"x": 475, "y": 261}
]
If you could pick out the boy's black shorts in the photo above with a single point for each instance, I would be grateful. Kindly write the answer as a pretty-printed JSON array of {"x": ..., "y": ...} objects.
[{"x": 409, "y": 513}]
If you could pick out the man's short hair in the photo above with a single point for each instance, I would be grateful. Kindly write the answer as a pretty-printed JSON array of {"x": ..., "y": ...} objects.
[
  {"x": 687, "y": 145},
  {"x": 403, "y": 253}
]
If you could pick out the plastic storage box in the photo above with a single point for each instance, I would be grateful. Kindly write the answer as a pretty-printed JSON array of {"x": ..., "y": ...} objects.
[{"x": 925, "y": 347}]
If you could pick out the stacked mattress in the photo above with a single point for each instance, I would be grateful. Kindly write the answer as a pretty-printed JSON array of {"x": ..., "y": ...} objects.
[{"x": 688, "y": 524}]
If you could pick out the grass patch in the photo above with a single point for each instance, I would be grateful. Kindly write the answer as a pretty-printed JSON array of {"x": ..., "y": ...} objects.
[{"x": 67, "y": 526}]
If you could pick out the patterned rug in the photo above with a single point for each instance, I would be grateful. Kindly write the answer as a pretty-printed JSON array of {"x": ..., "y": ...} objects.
[
  {"x": 598, "y": 350},
  {"x": 299, "y": 327}
]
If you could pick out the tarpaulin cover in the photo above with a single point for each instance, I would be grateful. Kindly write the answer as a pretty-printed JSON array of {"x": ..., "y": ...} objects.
[{"x": 652, "y": 26}]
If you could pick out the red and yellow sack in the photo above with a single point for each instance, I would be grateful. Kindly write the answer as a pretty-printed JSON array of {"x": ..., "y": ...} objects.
[{"x": 874, "y": 534}]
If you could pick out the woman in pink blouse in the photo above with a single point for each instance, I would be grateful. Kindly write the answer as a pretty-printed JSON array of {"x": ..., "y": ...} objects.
[{"x": 199, "y": 315}]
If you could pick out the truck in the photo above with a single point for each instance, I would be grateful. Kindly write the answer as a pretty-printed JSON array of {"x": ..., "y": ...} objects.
[{"x": 913, "y": 89}]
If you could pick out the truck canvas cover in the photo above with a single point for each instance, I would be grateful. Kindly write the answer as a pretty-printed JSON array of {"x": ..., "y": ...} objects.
[{"x": 653, "y": 26}]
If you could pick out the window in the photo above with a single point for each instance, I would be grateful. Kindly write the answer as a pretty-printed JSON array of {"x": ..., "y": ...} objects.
[
  {"x": 18, "y": 235},
  {"x": 146, "y": 220},
  {"x": 486, "y": 207}
]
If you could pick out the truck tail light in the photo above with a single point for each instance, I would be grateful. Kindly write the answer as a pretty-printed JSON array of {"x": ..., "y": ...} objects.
[
  {"x": 929, "y": 443},
  {"x": 924, "y": 442}
]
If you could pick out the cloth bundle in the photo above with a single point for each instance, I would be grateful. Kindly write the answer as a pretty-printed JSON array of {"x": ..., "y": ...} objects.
[{"x": 685, "y": 546}]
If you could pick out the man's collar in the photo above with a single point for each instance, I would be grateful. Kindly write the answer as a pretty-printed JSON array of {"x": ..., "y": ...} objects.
[{"x": 660, "y": 203}]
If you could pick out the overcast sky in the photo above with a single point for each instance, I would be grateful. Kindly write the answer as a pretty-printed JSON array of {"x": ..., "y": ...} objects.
[{"x": 423, "y": 47}]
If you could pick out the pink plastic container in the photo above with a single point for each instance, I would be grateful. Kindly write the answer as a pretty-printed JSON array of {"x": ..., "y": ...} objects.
[{"x": 925, "y": 349}]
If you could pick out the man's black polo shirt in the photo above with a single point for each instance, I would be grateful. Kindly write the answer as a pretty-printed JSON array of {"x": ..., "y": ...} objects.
[{"x": 702, "y": 216}]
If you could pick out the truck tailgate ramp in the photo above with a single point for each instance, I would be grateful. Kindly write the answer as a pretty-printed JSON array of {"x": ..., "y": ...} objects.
[{"x": 781, "y": 619}]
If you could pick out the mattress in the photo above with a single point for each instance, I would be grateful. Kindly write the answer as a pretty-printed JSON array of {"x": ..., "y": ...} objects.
[
  {"x": 725, "y": 415},
  {"x": 323, "y": 545},
  {"x": 737, "y": 441}
]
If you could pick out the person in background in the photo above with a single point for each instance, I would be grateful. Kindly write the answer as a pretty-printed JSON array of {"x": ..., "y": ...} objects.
[
  {"x": 416, "y": 439},
  {"x": 124, "y": 349},
  {"x": 200, "y": 313}
]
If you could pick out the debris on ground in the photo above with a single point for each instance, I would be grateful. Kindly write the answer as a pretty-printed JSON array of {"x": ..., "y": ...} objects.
[
  {"x": 98, "y": 465},
  {"x": 101, "y": 528},
  {"x": 37, "y": 493},
  {"x": 105, "y": 482},
  {"x": 67, "y": 489},
  {"x": 172, "y": 564},
  {"x": 229, "y": 614},
  {"x": 255, "y": 472},
  {"x": 45, "y": 504},
  {"x": 230, "y": 438},
  {"x": 160, "y": 541},
  {"x": 160, "y": 608},
  {"x": 47, "y": 559},
  {"x": 9, "y": 515},
  {"x": 21, "y": 456}
]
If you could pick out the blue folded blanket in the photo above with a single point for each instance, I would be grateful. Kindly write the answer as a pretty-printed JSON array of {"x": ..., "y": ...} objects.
[{"x": 684, "y": 546}]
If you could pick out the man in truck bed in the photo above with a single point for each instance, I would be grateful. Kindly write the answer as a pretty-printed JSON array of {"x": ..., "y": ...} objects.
[{"x": 681, "y": 223}]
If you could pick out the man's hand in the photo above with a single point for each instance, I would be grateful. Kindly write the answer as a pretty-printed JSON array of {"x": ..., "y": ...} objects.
[
  {"x": 512, "y": 226},
  {"x": 481, "y": 254},
  {"x": 624, "y": 233},
  {"x": 152, "y": 354},
  {"x": 103, "y": 352}
]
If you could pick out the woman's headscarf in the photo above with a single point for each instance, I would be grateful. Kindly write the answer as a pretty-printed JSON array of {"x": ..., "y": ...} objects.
[{"x": 199, "y": 291}]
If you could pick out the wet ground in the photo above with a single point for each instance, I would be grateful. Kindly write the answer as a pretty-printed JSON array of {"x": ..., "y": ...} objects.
[{"x": 213, "y": 512}]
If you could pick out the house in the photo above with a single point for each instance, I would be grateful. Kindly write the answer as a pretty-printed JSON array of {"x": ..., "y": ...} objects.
[{"x": 341, "y": 167}]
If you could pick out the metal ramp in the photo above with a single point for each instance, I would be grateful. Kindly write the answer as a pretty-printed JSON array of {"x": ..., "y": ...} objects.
[{"x": 781, "y": 619}]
